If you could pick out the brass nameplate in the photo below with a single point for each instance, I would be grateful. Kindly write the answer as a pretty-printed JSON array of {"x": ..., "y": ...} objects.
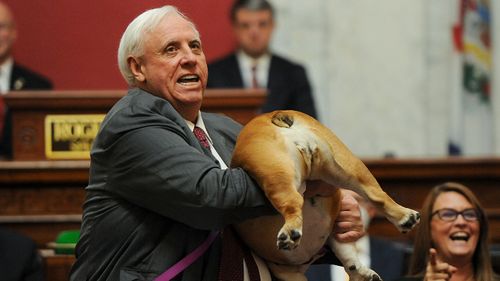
[{"x": 70, "y": 136}]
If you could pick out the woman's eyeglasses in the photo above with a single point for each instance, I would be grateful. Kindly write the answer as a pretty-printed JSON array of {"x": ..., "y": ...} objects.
[{"x": 451, "y": 215}]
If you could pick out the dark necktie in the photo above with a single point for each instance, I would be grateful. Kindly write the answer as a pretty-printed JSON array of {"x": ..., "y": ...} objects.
[
  {"x": 202, "y": 137},
  {"x": 255, "y": 83}
]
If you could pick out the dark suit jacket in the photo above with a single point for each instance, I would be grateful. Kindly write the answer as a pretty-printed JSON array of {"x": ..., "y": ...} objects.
[
  {"x": 24, "y": 79},
  {"x": 387, "y": 259},
  {"x": 288, "y": 86},
  {"x": 154, "y": 194},
  {"x": 20, "y": 79},
  {"x": 19, "y": 259}
]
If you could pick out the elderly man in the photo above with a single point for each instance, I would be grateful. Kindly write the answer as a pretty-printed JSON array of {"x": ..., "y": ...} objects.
[{"x": 159, "y": 187}]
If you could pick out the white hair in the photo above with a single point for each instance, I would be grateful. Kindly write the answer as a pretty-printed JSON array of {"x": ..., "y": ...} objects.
[{"x": 132, "y": 41}]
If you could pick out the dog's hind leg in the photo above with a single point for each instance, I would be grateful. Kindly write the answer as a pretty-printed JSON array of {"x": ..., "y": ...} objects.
[
  {"x": 277, "y": 164},
  {"x": 274, "y": 169},
  {"x": 355, "y": 176},
  {"x": 334, "y": 163},
  {"x": 347, "y": 254},
  {"x": 285, "y": 197},
  {"x": 337, "y": 165}
]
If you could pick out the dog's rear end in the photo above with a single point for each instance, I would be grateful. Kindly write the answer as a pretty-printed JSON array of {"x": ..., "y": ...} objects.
[{"x": 283, "y": 149}]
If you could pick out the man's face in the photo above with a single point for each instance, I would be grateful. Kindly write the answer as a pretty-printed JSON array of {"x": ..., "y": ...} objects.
[
  {"x": 173, "y": 65},
  {"x": 253, "y": 30},
  {"x": 7, "y": 32}
]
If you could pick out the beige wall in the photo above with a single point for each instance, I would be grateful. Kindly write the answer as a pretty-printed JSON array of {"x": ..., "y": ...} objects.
[{"x": 384, "y": 72}]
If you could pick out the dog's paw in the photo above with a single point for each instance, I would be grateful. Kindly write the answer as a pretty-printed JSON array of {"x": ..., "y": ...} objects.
[
  {"x": 288, "y": 240},
  {"x": 362, "y": 273},
  {"x": 410, "y": 220}
]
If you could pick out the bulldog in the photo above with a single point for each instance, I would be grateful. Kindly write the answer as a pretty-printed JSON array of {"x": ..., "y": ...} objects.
[{"x": 282, "y": 150}]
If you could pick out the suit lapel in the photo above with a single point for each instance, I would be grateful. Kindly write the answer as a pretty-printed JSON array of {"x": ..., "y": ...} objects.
[
  {"x": 220, "y": 143},
  {"x": 17, "y": 82},
  {"x": 221, "y": 146},
  {"x": 277, "y": 87},
  {"x": 177, "y": 118},
  {"x": 274, "y": 70},
  {"x": 198, "y": 145},
  {"x": 235, "y": 73}
]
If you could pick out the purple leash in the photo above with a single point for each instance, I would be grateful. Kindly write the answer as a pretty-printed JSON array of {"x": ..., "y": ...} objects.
[{"x": 177, "y": 268}]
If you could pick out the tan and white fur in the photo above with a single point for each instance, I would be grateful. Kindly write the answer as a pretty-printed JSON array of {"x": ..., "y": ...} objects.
[{"x": 283, "y": 149}]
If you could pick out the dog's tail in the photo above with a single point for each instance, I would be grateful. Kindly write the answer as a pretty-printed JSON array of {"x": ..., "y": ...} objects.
[{"x": 282, "y": 119}]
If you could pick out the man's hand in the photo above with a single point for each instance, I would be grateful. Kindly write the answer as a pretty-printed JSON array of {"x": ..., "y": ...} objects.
[
  {"x": 348, "y": 226},
  {"x": 437, "y": 270}
]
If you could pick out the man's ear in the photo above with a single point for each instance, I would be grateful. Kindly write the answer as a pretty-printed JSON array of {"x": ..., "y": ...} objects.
[{"x": 135, "y": 67}]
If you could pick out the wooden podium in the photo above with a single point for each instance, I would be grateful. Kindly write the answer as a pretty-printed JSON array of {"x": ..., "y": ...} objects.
[{"x": 30, "y": 109}]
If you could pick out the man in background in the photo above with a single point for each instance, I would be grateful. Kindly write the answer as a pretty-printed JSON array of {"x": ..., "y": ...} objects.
[
  {"x": 19, "y": 258},
  {"x": 13, "y": 77},
  {"x": 253, "y": 65},
  {"x": 386, "y": 257}
]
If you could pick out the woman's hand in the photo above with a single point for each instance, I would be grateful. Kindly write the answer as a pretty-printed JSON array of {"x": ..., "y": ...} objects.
[{"x": 437, "y": 270}]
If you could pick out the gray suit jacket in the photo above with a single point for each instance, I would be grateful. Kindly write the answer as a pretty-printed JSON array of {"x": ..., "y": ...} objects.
[{"x": 153, "y": 195}]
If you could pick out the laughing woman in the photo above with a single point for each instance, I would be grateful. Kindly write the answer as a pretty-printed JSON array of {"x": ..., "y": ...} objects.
[{"x": 452, "y": 240}]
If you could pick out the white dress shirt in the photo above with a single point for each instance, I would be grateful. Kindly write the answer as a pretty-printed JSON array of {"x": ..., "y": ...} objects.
[
  {"x": 200, "y": 124},
  {"x": 246, "y": 63},
  {"x": 5, "y": 73}
]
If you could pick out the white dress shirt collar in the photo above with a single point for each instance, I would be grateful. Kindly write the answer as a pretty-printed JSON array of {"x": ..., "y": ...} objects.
[{"x": 201, "y": 124}]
